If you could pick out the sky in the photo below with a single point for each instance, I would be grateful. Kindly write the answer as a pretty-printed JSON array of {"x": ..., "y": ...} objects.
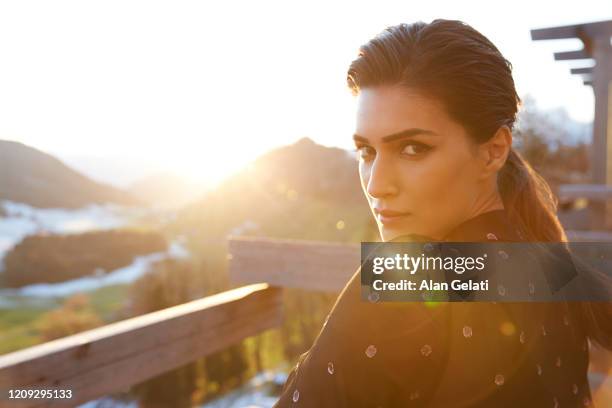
[{"x": 120, "y": 89}]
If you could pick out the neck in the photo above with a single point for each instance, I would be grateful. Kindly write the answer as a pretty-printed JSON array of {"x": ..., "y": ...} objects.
[
  {"x": 489, "y": 202},
  {"x": 483, "y": 204}
]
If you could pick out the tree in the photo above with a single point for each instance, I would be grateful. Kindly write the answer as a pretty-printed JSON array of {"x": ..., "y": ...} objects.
[{"x": 73, "y": 317}]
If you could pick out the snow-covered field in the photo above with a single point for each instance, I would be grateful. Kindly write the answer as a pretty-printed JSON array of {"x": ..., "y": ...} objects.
[
  {"x": 260, "y": 392},
  {"x": 22, "y": 220}
]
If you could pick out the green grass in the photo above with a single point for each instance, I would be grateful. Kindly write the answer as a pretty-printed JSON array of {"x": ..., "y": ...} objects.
[
  {"x": 19, "y": 326},
  {"x": 16, "y": 317},
  {"x": 107, "y": 301}
]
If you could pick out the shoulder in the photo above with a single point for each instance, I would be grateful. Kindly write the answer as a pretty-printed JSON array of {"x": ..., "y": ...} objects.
[
  {"x": 495, "y": 225},
  {"x": 357, "y": 313}
]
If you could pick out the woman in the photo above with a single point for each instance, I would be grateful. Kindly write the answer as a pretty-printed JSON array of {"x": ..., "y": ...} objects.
[{"x": 436, "y": 108}]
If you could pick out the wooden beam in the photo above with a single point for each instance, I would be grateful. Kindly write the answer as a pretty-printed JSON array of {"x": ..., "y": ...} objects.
[
  {"x": 582, "y": 70},
  {"x": 322, "y": 266},
  {"x": 599, "y": 192},
  {"x": 572, "y": 55},
  {"x": 114, "y": 357},
  {"x": 595, "y": 29},
  {"x": 589, "y": 236},
  {"x": 553, "y": 33},
  {"x": 598, "y": 29}
]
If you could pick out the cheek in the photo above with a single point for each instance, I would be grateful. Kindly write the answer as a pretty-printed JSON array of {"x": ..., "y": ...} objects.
[{"x": 443, "y": 183}]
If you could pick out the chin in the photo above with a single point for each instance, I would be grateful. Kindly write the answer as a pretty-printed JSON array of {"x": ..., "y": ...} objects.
[{"x": 387, "y": 234}]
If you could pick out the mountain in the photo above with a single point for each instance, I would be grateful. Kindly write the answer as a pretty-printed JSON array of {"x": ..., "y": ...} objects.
[
  {"x": 302, "y": 191},
  {"x": 117, "y": 170},
  {"x": 30, "y": 176},
  {"x": 166, "y": 190},
  {"x": 306, "y": 169}
]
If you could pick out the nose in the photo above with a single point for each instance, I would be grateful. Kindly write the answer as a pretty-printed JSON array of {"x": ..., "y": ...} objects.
[{"x": 381, "y": 179}]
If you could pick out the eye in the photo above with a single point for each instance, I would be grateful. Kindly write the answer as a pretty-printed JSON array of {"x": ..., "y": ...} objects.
[
  {"x": 365, "y": 153},
  {"x": 415, "y": 149}
]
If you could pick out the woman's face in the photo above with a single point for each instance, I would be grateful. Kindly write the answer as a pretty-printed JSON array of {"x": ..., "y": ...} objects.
[{"x": 417, "y": 161}]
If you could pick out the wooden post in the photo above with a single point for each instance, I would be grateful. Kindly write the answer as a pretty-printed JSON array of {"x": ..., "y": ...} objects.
[{"x": 601, "y": 214}]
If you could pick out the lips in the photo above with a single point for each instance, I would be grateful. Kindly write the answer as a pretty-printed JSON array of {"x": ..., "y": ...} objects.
[{"x": 387, "y": 216}]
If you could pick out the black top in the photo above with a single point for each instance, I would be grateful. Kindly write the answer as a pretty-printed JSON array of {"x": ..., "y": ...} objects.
[{"x": 453, "y": 354}]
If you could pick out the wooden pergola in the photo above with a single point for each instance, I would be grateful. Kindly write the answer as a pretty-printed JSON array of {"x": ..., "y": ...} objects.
[{"x": 595, "y": 38}]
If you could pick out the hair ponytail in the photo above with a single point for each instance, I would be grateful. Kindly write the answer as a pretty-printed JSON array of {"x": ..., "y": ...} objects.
[
  {"x": 529, "y": 201},
  {"x": 532, "y": 207}
]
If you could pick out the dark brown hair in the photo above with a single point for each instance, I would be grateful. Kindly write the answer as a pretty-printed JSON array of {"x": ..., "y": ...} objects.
[{"x": 450, "y": 61}]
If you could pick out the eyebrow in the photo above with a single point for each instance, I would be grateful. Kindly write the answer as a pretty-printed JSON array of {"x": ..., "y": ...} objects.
[{"x": 399, "y": 135}]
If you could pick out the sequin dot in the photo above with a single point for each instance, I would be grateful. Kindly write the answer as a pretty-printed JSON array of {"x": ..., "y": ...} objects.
[
  {"x": 558, "y": 362},
  {"x": 491, "y": 236},
  {"x": 373, "y": 297},
  {"x": 426, "y": 350},
  {"x": 522, "y": 337},
  {"x": 330, "y": 367},
  {"x": 575, "y": 389},
  {"x": 507, "y": 328},
  {"x": 539, "y": 369},
  {"x": 296, "y": 396},
  {"x": 503, "y": 254},
  {"x": 467, "y": 331},
  {"x": 371, "y": 351},
  {"x": 414, "y": 395},
  {"x": 501, "y": 290},
  {"x": 499, "y": 379}
]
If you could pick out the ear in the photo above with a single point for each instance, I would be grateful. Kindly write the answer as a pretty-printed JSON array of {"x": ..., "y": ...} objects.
[{"x": 495, "y": 151}]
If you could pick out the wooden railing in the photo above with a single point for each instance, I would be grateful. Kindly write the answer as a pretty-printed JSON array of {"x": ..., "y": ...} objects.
[
  {"x": 321, "y": 266},
  {"x": 115, "y": 357},
  {"x": 597, "y": 195},
  {"x": 597, "y": 192},
  {"x": 112, "y": 358}
]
